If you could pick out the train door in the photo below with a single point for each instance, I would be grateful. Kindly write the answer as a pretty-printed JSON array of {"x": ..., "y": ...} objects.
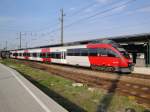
[
  {"x": 63, "y": 57},
  {"x": 58, "y": 56}
]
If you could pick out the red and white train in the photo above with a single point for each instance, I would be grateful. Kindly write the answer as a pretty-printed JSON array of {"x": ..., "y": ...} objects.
[{"x": 107, "y": 56}]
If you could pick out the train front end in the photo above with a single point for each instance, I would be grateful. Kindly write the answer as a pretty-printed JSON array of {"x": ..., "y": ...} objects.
[
  {"x": 110, "y": 56},
  {"x": 126, "y": 64}
]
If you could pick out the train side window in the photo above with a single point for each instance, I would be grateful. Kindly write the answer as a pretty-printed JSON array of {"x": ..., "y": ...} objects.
[
  {"x": 28, "y": 54},
  {"x": 111, "y": 53},
  {"x": 34, "y": 54},
  {"x": 93, "y": 52},
  {"x": 70, "y": 52},
  {"x": 20, "y": 54},
  {"x": 40, "y": 55},
  {"x": 44, "y": 55},
  {"x": 102, "y": 52},
  {"x": 48, "y": 55},
  {"x": 52, "y": 55},
  {"x": 64, "y": 55},
  {"x": 58, "y": 55},
  {"x": 24, "y": 54},
  {"x": 15, "y": 54},
  {"x": 55, "y": 55},
  {"x": 31, "y": 54},
  {"x": 76, "y": 52},
  {"x": 84, "y": 52}
]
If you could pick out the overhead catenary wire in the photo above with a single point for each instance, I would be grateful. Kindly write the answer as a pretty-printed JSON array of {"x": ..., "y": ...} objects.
[
  {"x": 87, "y": 7},
  {"x": 55, "y": 24},
  {"x": 125, "y": 13},
  {"x": 89, "y": 17},
  {"x": 49, "y": 25},
  {"x": 116, "y": 27},
  {"x": 82, "y": 9},
  {"x": 56, "y": 29},
  {"x": 98, "y": 13},
  {"x": 94, "y": 15}
]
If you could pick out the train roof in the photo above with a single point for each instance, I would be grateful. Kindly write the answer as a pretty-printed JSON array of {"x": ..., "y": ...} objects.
[{"x": 144, "y": 37}]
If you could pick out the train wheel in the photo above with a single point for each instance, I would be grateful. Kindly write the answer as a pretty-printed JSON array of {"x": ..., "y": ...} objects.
[
  {"x": 101, "y": 68},
  {"x": 93, "y": 67},
  {"x": 109, "y": 69},
  {"x": 104, "y": 68},
  {"x": 112, "y": 69}
]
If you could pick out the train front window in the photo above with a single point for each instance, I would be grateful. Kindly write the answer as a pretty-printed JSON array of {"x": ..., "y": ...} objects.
[
  {"x": 123, "y": 52},
  {"x": 34, "y": 54},
  {"x": 111, "y": 53}
]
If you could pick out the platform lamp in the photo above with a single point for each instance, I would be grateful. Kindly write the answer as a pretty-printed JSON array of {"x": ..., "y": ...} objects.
[
  {"x": 145, "y": 53},
  {"x": 148, "y": 53}
]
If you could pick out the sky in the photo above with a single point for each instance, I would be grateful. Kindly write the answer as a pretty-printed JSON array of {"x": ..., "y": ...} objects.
[{"x": 39, "y": 20}]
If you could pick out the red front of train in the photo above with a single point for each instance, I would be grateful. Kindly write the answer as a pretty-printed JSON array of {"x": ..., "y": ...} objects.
[{"x": 110, "y": 57}]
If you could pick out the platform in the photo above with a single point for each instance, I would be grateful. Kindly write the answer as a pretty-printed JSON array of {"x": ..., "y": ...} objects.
[
  {"x": 142, "y": 70},
  {"x": 19, "y": 95}
]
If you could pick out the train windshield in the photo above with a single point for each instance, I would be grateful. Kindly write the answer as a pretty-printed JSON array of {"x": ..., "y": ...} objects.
[{"x": 123, "y": 52}]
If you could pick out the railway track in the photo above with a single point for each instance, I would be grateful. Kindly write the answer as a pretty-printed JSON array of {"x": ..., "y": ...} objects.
[
  {"x": 134, "y": 85},
  {"x": 139, "y": 76}
]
